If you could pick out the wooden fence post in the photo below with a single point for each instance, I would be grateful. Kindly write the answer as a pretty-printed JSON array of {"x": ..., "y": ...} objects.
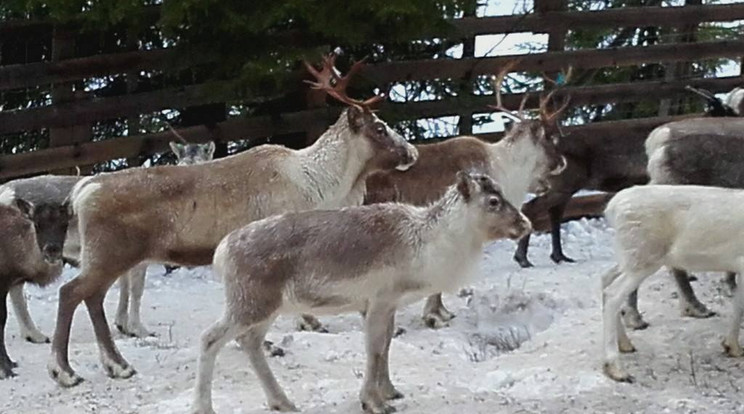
[
  {"x": 465, "y": 124},
  {"x": 63, "y": 47}
]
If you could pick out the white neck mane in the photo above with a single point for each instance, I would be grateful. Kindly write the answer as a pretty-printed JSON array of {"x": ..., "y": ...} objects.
[
  {"x": 332, "y": 166},
  {"x": 513, "y": 162}
]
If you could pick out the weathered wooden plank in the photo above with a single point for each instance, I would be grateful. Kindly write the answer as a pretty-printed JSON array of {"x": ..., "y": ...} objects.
[
  {"x": 252, "y": 128},
  {"x": 384, "y": 73}
]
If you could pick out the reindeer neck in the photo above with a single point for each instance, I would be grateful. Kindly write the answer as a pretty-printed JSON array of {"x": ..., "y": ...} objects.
[
  {"x": 334, "y": 166},
  {"x": 513, "y": 162},
  {"x": 450, "y": 221}
]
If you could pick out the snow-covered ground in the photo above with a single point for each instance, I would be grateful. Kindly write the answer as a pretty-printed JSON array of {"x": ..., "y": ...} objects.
[{"x": 551, "y": 313}]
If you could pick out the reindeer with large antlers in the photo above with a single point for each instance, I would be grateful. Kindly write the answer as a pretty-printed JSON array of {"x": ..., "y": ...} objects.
[
  {"x": 522, "y": 161},
  {"x": 593, "y": 163},
  {"x": 178, "y": 215}
]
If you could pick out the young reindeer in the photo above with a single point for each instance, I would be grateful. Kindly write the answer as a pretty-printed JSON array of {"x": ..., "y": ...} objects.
[
  {"x": 695, "y": 151},
  {"x": 54, "y": 190},
  {"x": 665, "y": 225},
  {"x": 521, "y": 162},
  {"x": 172, "y": 217},
  {"x": 367, "y": 258},
  {"x": 30, "y": 252}
]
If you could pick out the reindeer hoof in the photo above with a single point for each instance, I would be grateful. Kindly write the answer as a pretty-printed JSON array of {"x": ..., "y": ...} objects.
[
  {"x": 283, "y": 406},
  {"x": 6, "y": 372},
  {"x": 434, "y": 321},
  {"x": 65, "y": 378},
  {"x": 732, "y": 348},
  {"x": 311, "y": 324},
  {"x": 390, "y": 393},
  {"x": 523, "y": 262},
  {"x": 114, "y": 370},
  {"x": 614, "y": 372},
  {"x": 633, "y": 320},
  {"x": 560, "y": 257},
  {"x": 273, "y": 350},
  {"x": 377, "y": 408},
  {"x": 626, "y": 347},
  {"x": 697, "y": 311},
  {"x": 36, "y": 337},
  {"x": 202, "y": 410}
]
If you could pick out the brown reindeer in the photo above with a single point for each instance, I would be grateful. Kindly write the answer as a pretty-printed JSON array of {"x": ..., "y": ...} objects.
[
  {"x": 178, "y": 215},
  {"x": 30, "y": 252},
  {"x": 367, "y": 258},
  {"x": 521, "y": 162}
]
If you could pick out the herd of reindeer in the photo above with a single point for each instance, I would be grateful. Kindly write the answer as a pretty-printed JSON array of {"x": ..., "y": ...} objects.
[{"x": 363, "y": 221}]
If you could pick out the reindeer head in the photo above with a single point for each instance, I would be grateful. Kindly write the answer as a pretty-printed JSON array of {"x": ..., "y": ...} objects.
[
  {"x": 189, "y": 154},
  {"x": 388, "y": 148},
  {"x": 499, "y": 218},
  {"x": 539, "y": 138},
  {"x": 49, "y": 223}
]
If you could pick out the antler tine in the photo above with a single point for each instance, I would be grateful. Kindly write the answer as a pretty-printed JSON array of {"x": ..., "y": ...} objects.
[
  {"x": 497, "y": 81},
  {"x": 520, "y": 113},
  {"x": 335, "y": 85}
]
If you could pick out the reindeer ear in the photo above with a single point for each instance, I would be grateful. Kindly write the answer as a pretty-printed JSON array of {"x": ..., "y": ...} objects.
[
  {"x": 357, "y": 118},
  {"x": 465, "y": 185},
  {"x": 177, "y": 149},
  {"x": 26, "y": 208},
  {"x": 210, "y": 149}
]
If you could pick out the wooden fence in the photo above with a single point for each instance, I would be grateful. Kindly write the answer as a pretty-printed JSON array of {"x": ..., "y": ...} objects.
[{"x": 71, "y": 116}]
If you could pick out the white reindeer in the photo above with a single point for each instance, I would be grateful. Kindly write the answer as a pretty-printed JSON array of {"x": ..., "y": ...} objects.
[
  {"x": 694, "y": 228},
  {"x": 369, "y": 258}
]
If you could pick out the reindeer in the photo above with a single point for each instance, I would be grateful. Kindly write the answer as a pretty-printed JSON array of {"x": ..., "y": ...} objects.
[
  {"x": 30, "y": 252},
  {"x": 371, "y": 258},
  {"x": 599, "y": 163},
  {"x": 54, "y": 190},
  {"x": 180, "y": 214},
  {"x": 522, "y": 161},
  {"x": 695, "y": 151}
]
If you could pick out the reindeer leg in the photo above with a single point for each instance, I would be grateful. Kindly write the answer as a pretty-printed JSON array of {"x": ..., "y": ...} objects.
[
  {"x": 689, "y": 303},
  {"x": 136, "y": 278},
  {"x": 122, "y": 311},
  {"x": 113, "y": 362},
  {"x": 387, "y": 389},
  {"x": 630, "y": 314},
  {"x": 556, "y": 216},
  {"x": 376, "y": 331},
  {"x": 70, "y": 296},
  {"x": 310, "y": 323},
  {"x": 435, "y": 314},
  {"x": 29, "y": 331},
  {"x": 6, "y": 365},
  {"x": 251, "y": 343},
  {"x": 212, "y": 341},
  {"x": 520, "y": 255},
  {"x": 731, "y": 343},
  {"x": 731, "y": 283}
]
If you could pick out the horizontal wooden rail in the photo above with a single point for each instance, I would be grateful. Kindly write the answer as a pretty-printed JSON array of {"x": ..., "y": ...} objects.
[
  {"x": 252, "y": 128},
  {"x": 33, "y": 74},
  {"x": 584, "y": 95},
  {"x": 99, "y": 109},
  {"x": 384, "y": 73},
  {"x": 620, "y": 17}
]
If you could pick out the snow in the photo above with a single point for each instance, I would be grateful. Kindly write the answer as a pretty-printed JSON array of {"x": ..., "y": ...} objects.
[{"x": 524, "y": 341}]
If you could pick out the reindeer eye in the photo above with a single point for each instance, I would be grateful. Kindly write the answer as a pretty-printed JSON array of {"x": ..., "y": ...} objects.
[
  {"x": 494, "y": 202},
  {"x": 381, "y": 129}
]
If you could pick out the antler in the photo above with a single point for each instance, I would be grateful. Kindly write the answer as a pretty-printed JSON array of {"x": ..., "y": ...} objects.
[
  {"x": 330, "y": 81},
  {"x": 545, "y": 114},
  {"x": 179, "y": 136},
  {"x": 497, "y": 81}
]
